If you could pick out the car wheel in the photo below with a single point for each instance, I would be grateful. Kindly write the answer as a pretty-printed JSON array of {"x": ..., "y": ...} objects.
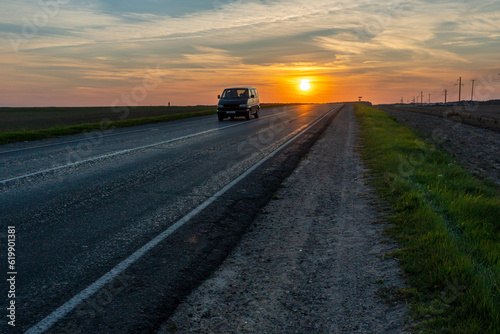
[
  {"x": 247, "y": 115},
  {"x": 256, "y": 115},
  {"x": 221, "y": 118}
]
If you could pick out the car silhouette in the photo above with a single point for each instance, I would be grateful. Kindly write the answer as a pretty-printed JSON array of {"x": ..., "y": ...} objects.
[{"x": 238, "y": 101}]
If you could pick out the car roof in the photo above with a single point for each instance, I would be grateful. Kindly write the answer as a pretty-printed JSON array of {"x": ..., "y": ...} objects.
[{"x": 240, "y": 88}]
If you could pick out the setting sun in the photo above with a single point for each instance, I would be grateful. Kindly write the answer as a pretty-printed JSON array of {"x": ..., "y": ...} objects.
[{"x": 305, "y": 85}]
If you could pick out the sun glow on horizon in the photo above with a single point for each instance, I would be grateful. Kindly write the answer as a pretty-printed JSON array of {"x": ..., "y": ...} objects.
[
  {"x": 305, "y": 85},
  {"x": 294, "y": 53}
]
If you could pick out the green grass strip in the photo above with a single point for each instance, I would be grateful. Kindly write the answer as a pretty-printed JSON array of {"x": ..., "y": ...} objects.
[
  {"x": 448, "y": 224},
  {"x": 30, "y": 135}
]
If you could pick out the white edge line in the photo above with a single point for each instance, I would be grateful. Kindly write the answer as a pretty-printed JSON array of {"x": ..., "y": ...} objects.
[
  {"x": 70, "y": 305},
  {"x": 115, "y": 154},
  {"x": 152, "y": 128},
  {"x": 121, "y": 152},
  {"x": 92, "y": 132},
  {"x": 76, "y": 140}
]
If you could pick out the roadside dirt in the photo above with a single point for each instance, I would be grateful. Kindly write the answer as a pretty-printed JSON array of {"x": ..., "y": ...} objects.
[
  {"x": 475, "y": 148},
  {"x": 314, "y": 261}
]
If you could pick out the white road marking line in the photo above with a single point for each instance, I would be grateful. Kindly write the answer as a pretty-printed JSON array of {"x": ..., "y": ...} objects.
[
  {"x": 123, "y": 152},
  {"x": 120, "y": 152},
  {"x": 71, "y": 141},
  {"x": 78, "y": 140},
  {"x": 103, "y": 136},
  {"x": 70, "y": 305}
]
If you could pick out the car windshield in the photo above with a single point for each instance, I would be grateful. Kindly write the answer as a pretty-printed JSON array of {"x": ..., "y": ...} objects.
[{"x": 235, "y": 94}]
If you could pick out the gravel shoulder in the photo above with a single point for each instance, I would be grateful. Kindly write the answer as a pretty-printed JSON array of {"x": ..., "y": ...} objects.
[
  {"x": 312, "y": 262},
  {"x": 475, "y": 148}
]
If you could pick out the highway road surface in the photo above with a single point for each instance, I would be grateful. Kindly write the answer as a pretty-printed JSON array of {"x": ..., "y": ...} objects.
[{"x": 113, "y": 229}]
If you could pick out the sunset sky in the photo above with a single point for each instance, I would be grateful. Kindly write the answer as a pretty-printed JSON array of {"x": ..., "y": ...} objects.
[{"x": 110, "y": 52}]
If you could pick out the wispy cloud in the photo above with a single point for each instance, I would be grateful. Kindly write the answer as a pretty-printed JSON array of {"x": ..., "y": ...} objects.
[{"x": 104, "y": 44}]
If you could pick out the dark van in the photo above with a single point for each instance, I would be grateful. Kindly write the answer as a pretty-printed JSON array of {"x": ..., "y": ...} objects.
[{"x": 238, "y": 101}]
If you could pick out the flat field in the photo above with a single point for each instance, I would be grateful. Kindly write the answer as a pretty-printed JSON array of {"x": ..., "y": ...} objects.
[
  {"x": 21, "y": 119},
  {"x": 490, "y": 111}
]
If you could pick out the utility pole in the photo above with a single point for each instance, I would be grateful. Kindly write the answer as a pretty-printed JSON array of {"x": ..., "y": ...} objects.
[
  {"x": 429, "y": 98},
  {"x": 421, "y": 98},
  {"x": 445, "y": 93},
  {"x": 472, "y": 93},
  {"x": 459, "y": 90}
]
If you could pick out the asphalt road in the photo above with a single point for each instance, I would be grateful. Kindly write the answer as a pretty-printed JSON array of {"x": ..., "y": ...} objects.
[{"x": 84, "y": 206}]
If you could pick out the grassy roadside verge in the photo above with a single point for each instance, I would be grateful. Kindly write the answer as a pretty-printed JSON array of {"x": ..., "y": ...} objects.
[
  {"x": 29, "y": 135},
  {"x": 447, "y": 223}
]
